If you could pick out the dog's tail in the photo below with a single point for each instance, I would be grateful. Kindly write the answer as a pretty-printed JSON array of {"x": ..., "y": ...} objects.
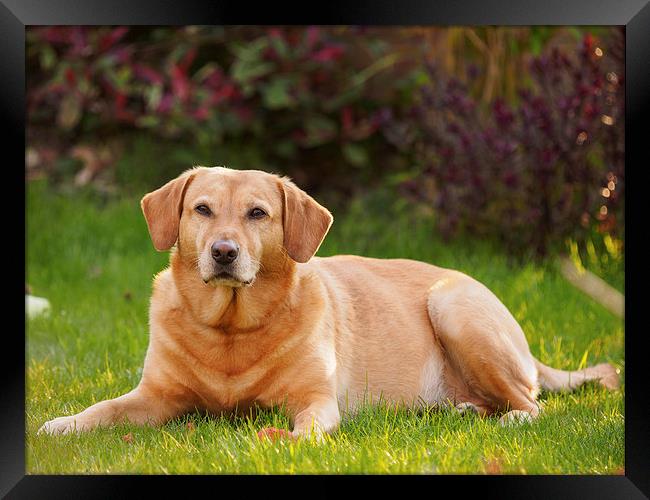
[{"x": 552, "y": 379}]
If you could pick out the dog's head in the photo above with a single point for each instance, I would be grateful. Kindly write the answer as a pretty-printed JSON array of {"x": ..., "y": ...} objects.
[{"x": 233, "y": 223}]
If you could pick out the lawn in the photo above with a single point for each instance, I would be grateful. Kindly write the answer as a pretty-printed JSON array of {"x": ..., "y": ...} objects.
[{"x": 94, "y": 261}]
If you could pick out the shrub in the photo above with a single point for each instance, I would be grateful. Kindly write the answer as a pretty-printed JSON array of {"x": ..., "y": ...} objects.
[
  {"x": 327, "y": 105},
  {"x": 532, "y": 173},
  {"x": 291, "y": 92}
]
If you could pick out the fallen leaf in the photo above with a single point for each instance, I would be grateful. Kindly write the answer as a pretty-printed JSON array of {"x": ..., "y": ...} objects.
[
  {"x": 493, "y": 466},
  {"x": 273, "y": 433},
  {"x": 128, "y": 438}
]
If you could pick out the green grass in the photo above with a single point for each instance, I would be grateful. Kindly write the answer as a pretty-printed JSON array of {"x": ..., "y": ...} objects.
[{"x": 94, "y": 262}]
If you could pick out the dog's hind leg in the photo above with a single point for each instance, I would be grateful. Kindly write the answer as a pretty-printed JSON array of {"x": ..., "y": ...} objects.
[{"x": 484, "y": 346}]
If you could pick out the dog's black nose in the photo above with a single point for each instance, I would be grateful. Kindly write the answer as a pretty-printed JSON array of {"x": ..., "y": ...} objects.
[{"x": 225, "y": 251}]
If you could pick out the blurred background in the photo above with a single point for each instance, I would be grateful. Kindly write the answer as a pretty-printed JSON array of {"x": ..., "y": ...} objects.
[{"x": 509, "y": 134}]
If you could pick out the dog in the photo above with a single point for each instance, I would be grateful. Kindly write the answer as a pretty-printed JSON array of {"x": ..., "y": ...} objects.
[{"x": 246, "y": 316}]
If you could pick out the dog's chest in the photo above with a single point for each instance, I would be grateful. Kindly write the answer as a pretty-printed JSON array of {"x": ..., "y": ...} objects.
[{"x": 231, "y": 374}]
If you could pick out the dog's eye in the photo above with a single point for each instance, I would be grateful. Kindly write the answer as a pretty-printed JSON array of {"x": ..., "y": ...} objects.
[
  {"x": 256, "y": 213},
  {"x": 203, "y": 210}
]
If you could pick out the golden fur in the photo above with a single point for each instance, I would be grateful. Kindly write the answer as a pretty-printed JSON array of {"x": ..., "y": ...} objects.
[{"x": 319, "y": 335}]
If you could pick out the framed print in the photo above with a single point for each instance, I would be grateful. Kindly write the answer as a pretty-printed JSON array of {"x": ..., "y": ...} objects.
[{"x": 384, "y": 240}]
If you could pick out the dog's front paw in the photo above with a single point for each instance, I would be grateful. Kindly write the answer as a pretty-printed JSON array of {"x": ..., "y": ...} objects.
[{"x": 61, "y": 425}]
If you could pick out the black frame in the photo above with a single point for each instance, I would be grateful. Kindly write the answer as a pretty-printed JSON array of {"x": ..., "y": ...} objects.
[{"x": 633, "y": 14}]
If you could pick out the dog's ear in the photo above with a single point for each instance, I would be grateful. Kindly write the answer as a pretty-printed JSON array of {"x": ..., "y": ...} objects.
[
  {"x": 162, "y": 210},
  {"x": 305, "y": 221}
]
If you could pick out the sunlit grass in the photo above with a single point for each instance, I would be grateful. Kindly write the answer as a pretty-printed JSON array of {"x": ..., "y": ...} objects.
[{"x": 95, "y": 265}]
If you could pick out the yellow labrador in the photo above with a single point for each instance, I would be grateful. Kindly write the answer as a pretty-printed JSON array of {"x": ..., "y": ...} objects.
[{"x": 246, "y": 314}]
